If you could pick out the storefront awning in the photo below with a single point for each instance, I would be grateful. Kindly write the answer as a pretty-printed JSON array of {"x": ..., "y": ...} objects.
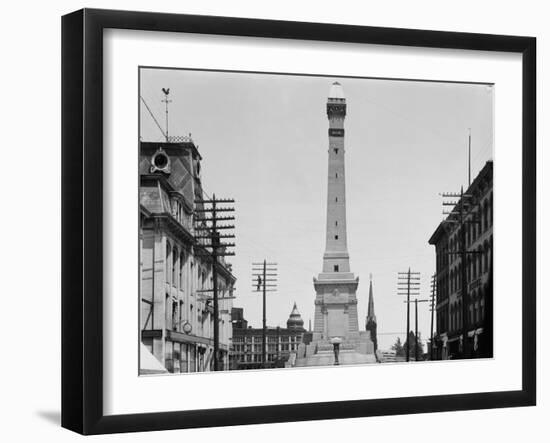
[{"x": 148, "y": 363}]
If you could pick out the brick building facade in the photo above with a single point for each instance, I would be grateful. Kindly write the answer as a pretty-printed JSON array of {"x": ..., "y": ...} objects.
[
  {"x": 479, "y": 244},
  {"x": 246, "y": 349}
]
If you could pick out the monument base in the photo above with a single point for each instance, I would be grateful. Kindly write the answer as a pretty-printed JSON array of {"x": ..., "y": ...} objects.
[{"x": 357, "y": 348}]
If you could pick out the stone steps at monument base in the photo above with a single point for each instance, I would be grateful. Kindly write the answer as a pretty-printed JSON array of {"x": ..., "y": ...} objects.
[
  {"x": 327, "y": 359},
  {"x": 392, "y": 359},
  {"x": 330, "y": 347},
  {"x": 331, "y": 351}
]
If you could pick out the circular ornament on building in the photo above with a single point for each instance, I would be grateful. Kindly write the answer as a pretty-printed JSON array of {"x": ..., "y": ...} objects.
[
  {"x": 187, "y": 328},
  {"x": 160, "y": 162}
]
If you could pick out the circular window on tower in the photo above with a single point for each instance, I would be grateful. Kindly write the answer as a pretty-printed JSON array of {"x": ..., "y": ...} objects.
[{"x": 160, "y": 162}]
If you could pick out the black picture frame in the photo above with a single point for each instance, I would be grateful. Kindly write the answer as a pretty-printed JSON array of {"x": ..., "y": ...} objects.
[{"x": 82, "y": 215}]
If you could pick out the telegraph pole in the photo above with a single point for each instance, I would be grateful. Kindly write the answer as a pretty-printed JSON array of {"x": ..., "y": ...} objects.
[
  {"x": 457, "y": 216},
  {"x": 261, "y": 282},
  {"x": 416, "y": 301},
  {"x": 432, "y": 309},
  {"x": 408, "y": 283},
  {"x": 208, "y": 239}
]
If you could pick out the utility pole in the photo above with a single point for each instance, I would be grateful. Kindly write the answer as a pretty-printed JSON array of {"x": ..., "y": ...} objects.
[
  {"x": 432, "y": 309},
  {"x": 408, "y": 283},
  {"x": 416, "y": 301},
  {"x": 260, "y": 274},
  {"x": 209, "y": 243},
  {"x": 457, "y": 216}
]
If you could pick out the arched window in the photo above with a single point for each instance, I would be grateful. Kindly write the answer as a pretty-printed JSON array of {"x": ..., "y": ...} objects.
[
  {"x": 452, "y": 319},
  {"x": 479, "y": 259},
  {"x": 182, "y": 270},
  {"x": 455, "y": 280},
  {"x": 452, "y": 316},
  {"x": 168, "y": 261},
  {"x": 486, "y": 256},
  {"x": 174, "y": 316},
  {"x": 168, "y": 312},
  {"x": 175, "y": 276}
]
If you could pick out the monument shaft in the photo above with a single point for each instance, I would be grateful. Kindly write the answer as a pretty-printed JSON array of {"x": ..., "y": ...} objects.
[{"x": 335, "y": 301}]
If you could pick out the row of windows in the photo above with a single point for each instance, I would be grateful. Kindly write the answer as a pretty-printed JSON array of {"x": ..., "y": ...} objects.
[
  {"x": 179, "y": 270},
  {"x": 237, "y": 348},
  {"x": 472, "y": 233},
  {"x": 179, "y": 214},
  {"x": 476, "y": 313},
  {"x": 450, "y": 317},
  {"x": 254, "y": 358},
  {"x": 176, "y": 261},
  {"x": 270, "y": 339},
  {"x": 477, "y": 264}
]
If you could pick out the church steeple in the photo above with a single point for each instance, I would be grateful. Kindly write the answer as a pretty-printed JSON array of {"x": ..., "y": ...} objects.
[{"x": 371, "y": 317}]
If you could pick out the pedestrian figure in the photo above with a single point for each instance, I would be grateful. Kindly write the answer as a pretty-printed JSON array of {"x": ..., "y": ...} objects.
[{"x": 336, "y": 352}]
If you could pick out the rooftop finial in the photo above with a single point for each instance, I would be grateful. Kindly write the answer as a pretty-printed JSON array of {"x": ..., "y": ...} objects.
[{"x": 166, "y": 91}]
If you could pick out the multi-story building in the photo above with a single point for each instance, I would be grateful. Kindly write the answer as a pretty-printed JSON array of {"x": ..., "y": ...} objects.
[
  {"x": 478, "y": 225},
  {"x": 237, "y": 318},
  {"x": 246, "y": 350},
  {"x": 176, "y": 313}
]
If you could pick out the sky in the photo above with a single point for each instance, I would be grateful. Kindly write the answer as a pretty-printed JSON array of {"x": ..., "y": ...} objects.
[{"x": 264, "y": 142}]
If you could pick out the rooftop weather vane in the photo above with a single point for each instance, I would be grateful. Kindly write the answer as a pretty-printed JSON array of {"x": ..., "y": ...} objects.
[{"x": 166, "y": 91}]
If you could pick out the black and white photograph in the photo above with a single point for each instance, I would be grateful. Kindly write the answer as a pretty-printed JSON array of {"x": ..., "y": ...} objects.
[
  {"x": 291, "y": 221},
  {"x": 259, "y": 221}
]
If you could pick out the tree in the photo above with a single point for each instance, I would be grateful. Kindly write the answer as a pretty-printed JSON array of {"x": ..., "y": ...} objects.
[
  {"x": 413, "y": 343},
  {"x": 398, "y": 348}
]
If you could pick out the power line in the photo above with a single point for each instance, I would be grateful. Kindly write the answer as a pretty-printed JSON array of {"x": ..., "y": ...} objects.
[{"x": 153, "y": 116}]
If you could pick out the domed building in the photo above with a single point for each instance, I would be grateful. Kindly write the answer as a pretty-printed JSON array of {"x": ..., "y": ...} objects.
[
  {"x": 295, "y": 322},
  {"x": 247, "y": 351}
]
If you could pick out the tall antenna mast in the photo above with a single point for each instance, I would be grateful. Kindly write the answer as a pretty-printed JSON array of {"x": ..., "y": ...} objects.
[
  {"x": 166, "y": 91},
  {"x": 469, "y": 155}
]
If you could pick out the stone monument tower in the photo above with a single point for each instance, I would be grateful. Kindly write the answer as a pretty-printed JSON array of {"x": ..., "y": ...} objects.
[
  {"x": 335, "y": 318},
  {"x": 336, "y": 302}
]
